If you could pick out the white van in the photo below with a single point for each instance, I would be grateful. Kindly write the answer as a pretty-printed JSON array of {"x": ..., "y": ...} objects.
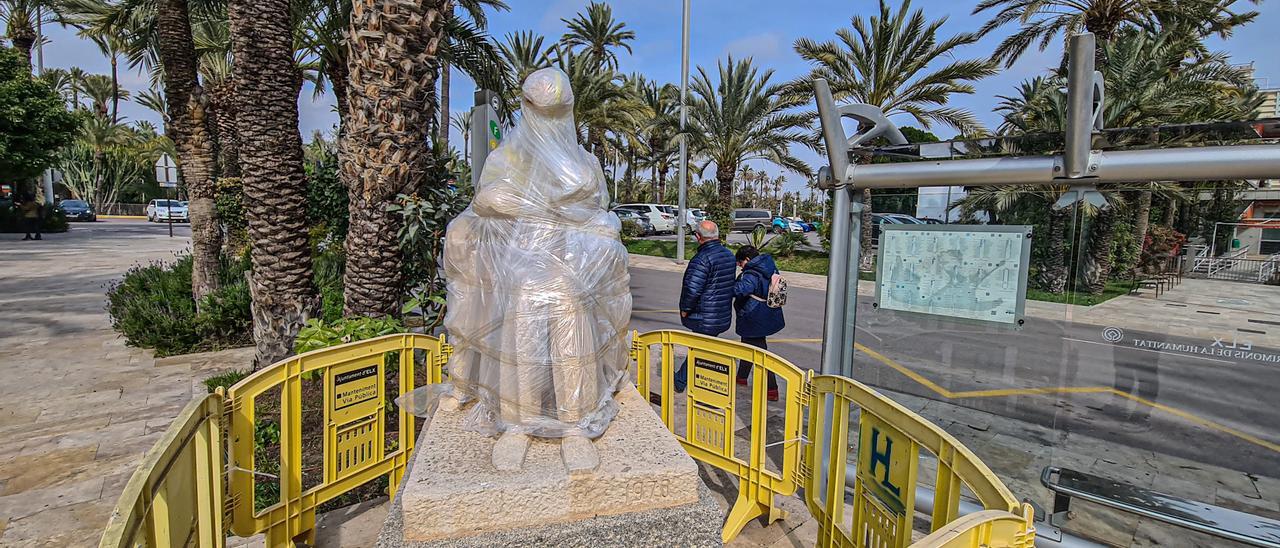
[{"x": 660, "y": 219}]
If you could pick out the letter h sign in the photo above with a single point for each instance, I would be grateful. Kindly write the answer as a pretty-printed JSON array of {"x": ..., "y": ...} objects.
[{"x": 887, "y": 463}]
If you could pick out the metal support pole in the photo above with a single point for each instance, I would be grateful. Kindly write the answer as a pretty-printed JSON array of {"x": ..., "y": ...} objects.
[
  {"x": 46, "y": 178},
  {"x": 1079, "y": 136},
  {"x": 684, "y": 142},
  {"x": 833, "y": 333}
]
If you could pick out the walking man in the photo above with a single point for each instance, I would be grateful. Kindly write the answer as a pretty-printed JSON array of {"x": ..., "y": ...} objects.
[
  {"x": 706, "y": 295},
  {"x": 756, "y": 320}
]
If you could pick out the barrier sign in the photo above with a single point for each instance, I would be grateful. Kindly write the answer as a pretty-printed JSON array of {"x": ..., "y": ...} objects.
[
  {"x": 355, "y": 424},
  {"x": 887, "y": 477},
  {"x": 711, "y": 402}
]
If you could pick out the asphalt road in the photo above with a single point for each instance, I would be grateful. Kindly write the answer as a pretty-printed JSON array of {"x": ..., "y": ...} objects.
[{"x": 1053, "y": 373}]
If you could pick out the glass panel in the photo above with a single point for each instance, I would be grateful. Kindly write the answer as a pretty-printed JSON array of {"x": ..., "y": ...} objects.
[{"x": 1134, "y": 364}]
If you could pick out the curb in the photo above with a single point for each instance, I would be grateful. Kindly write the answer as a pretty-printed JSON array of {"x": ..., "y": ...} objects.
[{"x": 135, "y": 217}]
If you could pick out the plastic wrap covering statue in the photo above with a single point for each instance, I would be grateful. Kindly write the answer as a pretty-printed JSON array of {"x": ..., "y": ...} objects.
[{"x": 538, "y": 291}]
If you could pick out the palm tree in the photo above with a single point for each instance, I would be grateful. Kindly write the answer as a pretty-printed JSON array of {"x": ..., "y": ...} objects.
[
  {"x": 598, "y": 35},
  {"x": 20, "y": 18},
  {"x": 77, "y": 76},
  {"x": 462, "y": 38},
  {"x": 1044, "y": 20},
  {"x": 658, "y": 148},
  {"x": 462, "y": 122},
  {"x": 740, "y": 118},
  {"x": 60, "y": 80},
  {"x": 104, "y": 94},
  {"x": 153, "y": 100},
  {"x": 394, "y": 49},
  {"x": 1150, "y": 81},
  {"x": 523, "y": 53},
  {"x": 213, "y": 44},
  {"x": 890, "y": 61},
  {"x": 110, "y": 46},
  {"x": 601, "y": 102},
  {"x": 274, "y": 183},
  {"x": 157, "y": 34}
]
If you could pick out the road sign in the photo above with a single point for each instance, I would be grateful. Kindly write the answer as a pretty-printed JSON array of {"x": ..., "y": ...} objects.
[{"x": 166, "y": 172}]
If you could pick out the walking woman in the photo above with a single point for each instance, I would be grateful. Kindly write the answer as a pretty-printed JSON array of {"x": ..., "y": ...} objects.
[{"x": 756, "y": 320}]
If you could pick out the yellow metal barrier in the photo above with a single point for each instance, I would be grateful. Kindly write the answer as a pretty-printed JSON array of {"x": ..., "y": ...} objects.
[
  {"x": 175, "y": 496},
  {"x": 354, "y": 400},
  {"x": 709, "y": 415},
  {"x": 889, "y": 439}
]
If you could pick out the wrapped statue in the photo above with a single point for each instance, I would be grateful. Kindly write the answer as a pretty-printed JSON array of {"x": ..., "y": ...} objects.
[{"x": 538, "y": 290}]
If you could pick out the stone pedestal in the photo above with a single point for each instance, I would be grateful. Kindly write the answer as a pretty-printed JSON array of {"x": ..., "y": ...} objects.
[{"x": 645, "y": 492}]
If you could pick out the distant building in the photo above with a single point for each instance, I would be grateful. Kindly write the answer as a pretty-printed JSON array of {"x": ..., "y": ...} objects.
[{"x": 1259, "y": 229}]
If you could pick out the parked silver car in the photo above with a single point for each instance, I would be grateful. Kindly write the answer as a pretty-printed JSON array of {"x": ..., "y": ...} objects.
[{"x": 167, "y": 211}]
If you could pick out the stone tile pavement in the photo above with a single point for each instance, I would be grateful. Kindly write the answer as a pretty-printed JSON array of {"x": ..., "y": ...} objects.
[{"x": 78, "y": 408}]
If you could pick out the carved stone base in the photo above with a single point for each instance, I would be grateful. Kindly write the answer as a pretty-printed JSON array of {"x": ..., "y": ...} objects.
[{"x": 644, "y": 485}]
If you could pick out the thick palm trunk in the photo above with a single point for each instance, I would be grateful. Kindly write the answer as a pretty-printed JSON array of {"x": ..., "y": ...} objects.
[
  {"x": 391, "y": 55},
  {"x": 115, "y": 90},
  {"x": 866, "y": 220},
  {"x": 1097, "y": 261},
  {"x": 284, "y": 294},
  {"x": 444, "y": 106},
  {"x": 596, "y": 136},
  {"x": 1142, "y": 220},
  {"x": 662, "y": 182},
  {"x": 1053, "y": 276},
  {"x": 222, "y": 110},
  {"x": 188, "y": 128},
  {"x": 1170, "y": 213},
  {"x": 23, "y": 38},
  {"x": 724, "y": 194}
]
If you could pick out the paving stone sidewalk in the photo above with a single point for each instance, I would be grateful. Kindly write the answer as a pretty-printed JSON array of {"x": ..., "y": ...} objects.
[{"x": 78, "y": 408}]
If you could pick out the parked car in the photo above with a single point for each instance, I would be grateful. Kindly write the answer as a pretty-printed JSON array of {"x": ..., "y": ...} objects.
[
  {"x": 698, "y": 214},
  {"x": 78, "y": 210},
  {"x": 626, "y": 215},
  {"x": 746, "y": 220},
  {"x": 805, "y": 226},
  {"x": 661, "y": 220},
  {"x": 782, "y": 224},
  {"x": 878, "y": 219},
  {"x": 169, "y": 211}
]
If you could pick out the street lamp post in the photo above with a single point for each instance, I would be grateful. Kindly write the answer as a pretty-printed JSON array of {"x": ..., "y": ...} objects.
[
  {"x": 46, "y": 178},
  {"x": 684, "y": 142}
]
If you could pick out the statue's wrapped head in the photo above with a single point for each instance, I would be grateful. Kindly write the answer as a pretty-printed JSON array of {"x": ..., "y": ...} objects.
[{"x": 547, "y": 92}]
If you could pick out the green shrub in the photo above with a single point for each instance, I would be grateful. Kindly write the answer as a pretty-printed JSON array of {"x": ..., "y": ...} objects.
[
  {"x": 229, "y": 206},
  {"x": 329, "y": 268},
  {"x": 152, "y": 307},
  {"x": 226, "y": 380},
  {"x": 326, "y": 197},
  {"x": 317, "y": 334},
  {"x": 784, "y": 245},
  {"x": 631, "y": 229}
]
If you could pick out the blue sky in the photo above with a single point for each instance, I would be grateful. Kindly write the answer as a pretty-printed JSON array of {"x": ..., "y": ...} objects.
[{"x": 764, "y": 30}]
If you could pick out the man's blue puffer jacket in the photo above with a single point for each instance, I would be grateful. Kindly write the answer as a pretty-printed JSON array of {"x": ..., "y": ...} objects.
[{"x": 707, "y": 292}]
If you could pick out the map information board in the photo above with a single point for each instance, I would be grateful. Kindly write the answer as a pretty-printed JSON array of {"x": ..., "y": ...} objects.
[{"x": 973, "y": 272}]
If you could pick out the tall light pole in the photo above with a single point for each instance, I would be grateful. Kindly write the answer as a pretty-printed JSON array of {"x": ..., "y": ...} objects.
[
  {"x": 46, "y": 178},
  {"x": 684, "y": 141}
]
